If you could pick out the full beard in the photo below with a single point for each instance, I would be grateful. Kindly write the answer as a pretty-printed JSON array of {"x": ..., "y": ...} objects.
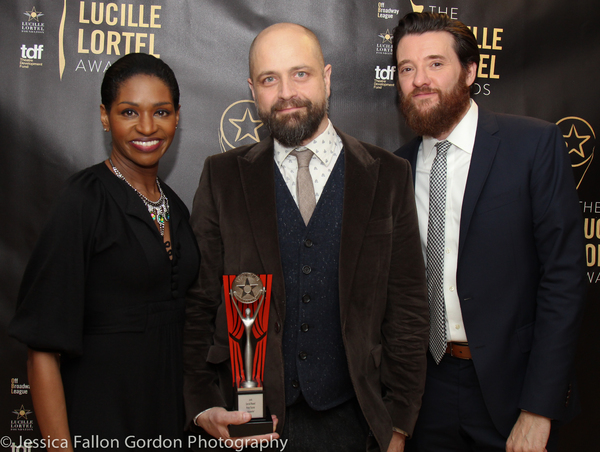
[
  {"x": 440, "y": 118},
  {"x": 293, "y": 129}
]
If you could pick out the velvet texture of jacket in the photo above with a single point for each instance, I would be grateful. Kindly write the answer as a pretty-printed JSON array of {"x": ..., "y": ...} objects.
[{"x": 383, "y": 299}]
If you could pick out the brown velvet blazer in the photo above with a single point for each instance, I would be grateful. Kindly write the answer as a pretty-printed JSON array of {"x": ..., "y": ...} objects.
[{"x": 383, "y": 299}]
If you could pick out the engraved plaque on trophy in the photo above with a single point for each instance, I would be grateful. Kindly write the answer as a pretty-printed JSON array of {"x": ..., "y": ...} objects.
[{"x": 247, "y": 299}]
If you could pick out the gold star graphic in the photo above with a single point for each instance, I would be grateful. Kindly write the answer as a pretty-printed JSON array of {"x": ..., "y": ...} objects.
[
  {"x": 575, "y": 141},
  {"x": 386, "y": 37},
  {"x": 33, "y": 15},
  {"x": 241, "y": 122},
  {"x": 22, "y": 412}
]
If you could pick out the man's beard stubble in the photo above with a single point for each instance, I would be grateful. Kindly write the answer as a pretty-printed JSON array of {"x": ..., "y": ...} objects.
[
  {"x": 442, "y": 117},
  {"x": 294, "y": 128}
]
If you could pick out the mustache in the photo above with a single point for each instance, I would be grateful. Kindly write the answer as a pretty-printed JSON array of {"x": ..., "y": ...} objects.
[
  {"x": 290, "y": 103},
  {"x": 418, "y": 91}
]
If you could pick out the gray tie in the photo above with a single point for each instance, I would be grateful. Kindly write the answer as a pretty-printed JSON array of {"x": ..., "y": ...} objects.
[
  {"x": 435, "y": 252},
  {"x": 304, "y": 184}
]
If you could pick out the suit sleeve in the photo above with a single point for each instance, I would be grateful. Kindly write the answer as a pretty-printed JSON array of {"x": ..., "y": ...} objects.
[
  {"x": 201, "y": 390},
  {"x": 558, "y": 234},
  {"x": 405, "y": 329}
]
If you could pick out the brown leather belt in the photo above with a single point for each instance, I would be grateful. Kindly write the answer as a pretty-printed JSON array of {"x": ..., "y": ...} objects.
[{"x": 458, "y": 350}]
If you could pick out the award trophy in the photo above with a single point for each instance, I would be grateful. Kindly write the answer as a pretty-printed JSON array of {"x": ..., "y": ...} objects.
[{"x": 247, "y": 301}]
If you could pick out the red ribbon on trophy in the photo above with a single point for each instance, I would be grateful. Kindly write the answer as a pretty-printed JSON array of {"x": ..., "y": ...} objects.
[{"x": 247, "y": 302}]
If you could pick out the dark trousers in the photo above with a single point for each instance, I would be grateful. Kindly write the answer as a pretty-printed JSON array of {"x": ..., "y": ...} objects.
[
  {"x": 342, "y": 428},
  {"x": 453, "y": 416}
]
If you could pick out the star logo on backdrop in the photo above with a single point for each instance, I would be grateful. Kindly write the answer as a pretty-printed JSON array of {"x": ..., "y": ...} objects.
[
  {"x": 386, "y": 37},
  {"x": 238, "y": 126},
  {"x": 580, "y": 140},
  {"x": 22, "y": 412},
  {"x": 247, "y": 123},
  {"x": 33, "y": 15},
  {"x": 575, "y": 141}
]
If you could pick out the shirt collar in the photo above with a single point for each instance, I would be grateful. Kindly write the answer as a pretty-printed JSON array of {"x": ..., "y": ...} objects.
[
  {"x": 463, "y": 135},
  {"x": 326, "y": 147}
]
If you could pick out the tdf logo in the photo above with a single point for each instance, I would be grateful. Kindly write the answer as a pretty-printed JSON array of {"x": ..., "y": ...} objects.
[
  {"x": 385, "y": 74},
  {"x": 32, "y": 53}
]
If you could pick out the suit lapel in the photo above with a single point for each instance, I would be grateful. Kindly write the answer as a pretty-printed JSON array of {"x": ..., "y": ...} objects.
[
  {"x": 484, "y": 152},
  {"x": 360, "y": 184},
  {"x": 256, "y": 175}
]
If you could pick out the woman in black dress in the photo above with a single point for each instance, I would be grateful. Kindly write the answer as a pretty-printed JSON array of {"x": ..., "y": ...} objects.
[{"x": 101, "y": 306}]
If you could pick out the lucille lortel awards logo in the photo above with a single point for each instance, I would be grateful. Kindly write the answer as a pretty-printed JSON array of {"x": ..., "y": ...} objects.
[
  {"x": 581, "y": 144},
  {"x": 33, "y": 23}
]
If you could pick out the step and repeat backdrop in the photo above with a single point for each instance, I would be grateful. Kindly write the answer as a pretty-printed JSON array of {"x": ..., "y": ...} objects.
[{"x": 538, "y": 58}]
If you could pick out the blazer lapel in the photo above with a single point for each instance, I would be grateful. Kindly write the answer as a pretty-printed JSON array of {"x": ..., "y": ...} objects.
[
  {"x": 256, "y": 174},
  {"x": 360, "y": 184},
  {"x": 484, "y": 152}
]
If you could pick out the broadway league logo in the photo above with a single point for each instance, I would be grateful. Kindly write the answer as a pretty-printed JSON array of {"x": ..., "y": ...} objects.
[
  {"x": 386, "y": 13},
  {"x": 581, "y": 143},
  {"x": 240, "y": 125}
]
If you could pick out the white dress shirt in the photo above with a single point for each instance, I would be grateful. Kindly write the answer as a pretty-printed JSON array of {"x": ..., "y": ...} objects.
[
  {"x": 326, "y": 148},
  {"x": 462, "y": 139}
]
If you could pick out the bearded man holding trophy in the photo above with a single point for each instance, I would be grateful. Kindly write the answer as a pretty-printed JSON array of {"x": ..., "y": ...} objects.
[{"x": 328, "y": 225}]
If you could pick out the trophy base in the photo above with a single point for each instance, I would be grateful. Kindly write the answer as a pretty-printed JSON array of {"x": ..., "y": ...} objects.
[
  {"x": 251, "y": 400},
  {"x": 251, "y": 428}
]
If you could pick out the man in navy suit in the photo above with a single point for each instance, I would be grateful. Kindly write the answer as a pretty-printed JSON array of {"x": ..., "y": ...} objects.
[{"x": 506, "y": 253}]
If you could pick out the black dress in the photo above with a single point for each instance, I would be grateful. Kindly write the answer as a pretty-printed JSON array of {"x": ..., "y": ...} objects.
[{"x": 101, "y": 290}]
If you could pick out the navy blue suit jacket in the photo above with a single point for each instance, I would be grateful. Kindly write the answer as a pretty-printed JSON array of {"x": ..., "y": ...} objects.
[{"x": 521, "y": 266}]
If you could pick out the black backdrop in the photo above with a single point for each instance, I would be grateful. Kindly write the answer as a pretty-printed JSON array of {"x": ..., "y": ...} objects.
[{"x": 539, "y": 58}]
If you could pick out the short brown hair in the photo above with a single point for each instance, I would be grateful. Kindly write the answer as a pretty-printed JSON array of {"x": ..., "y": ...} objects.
[{"x": 465, "y": 44}]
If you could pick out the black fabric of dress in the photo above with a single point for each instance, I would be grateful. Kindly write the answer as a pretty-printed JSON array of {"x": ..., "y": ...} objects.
[{"x": 101, "y": 290}]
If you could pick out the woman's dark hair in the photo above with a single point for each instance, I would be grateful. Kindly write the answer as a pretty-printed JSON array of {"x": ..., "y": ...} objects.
[
  {"x": 465, "y": 43},
  {"x": 136, "y": 64}
]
